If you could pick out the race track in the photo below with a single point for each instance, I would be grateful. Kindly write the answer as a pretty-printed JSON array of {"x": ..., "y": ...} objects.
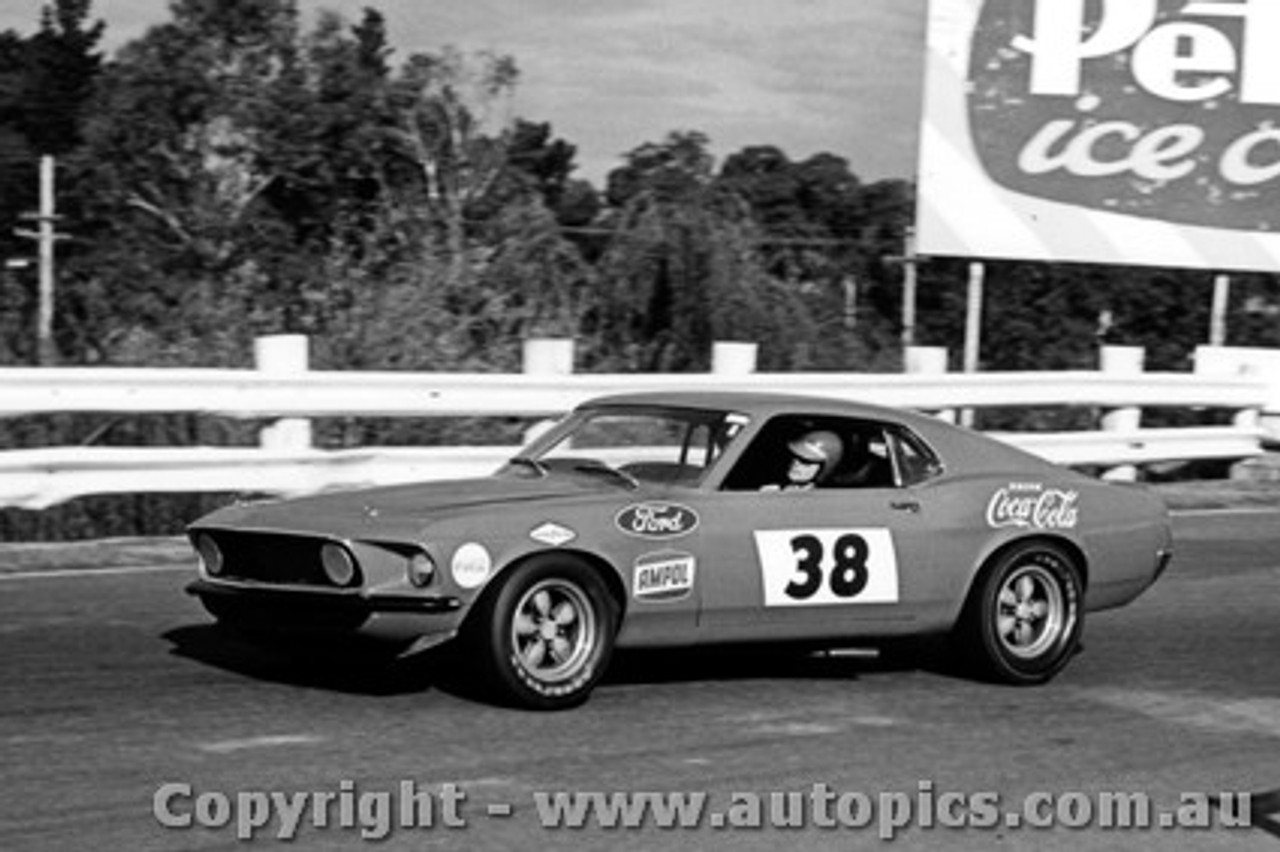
[{"x": 116, "y": 688}]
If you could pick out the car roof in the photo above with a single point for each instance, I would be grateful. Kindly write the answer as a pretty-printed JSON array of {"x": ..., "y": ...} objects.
[
  {"x": 961, "y": 448},
  {"x": 760, "y": 403}
]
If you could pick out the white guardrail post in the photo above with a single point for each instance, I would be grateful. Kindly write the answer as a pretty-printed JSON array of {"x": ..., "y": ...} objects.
[
  {"x": 283, "y": 354},
  {"x": 548, "y": 356},
  {"x": 928, "y": 361},
  {"x": 545, "y": 356},
  {"x": 1214, "y": 362},
  {"x": 732, "y": 358},
  {"x": 1122, "y": 360}
]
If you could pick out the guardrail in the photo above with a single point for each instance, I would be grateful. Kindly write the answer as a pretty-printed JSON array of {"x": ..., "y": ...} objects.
[
  {"x": 245, "y": 394},
  {"x": 283, "y": 389}
]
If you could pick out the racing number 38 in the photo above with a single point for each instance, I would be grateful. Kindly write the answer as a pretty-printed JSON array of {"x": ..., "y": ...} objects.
[{"x": 828, "y": 566}]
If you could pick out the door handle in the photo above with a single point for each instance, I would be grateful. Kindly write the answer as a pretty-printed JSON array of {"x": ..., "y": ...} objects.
[{"x": 905, "y": 506}]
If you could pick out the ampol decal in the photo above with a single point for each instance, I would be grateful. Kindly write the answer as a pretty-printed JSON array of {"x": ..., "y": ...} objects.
[{"x": 663, "y": 576}]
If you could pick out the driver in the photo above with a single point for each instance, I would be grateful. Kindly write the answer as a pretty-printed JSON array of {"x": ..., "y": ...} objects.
[{"x": 813, "y": 455}]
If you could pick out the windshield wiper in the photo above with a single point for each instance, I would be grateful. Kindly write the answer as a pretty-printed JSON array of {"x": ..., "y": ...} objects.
[
  {"x": 531, "y": 463},
  {"x": 600, "y": 467}
]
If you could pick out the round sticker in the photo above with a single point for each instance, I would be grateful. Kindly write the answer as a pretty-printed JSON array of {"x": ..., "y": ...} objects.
[{"x": 471, "y": 565}]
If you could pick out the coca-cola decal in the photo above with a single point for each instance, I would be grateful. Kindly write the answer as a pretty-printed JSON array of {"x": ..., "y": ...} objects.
[
  {"x": 1162, "y": 109},
  {"x": 657, "y": 520},
  {"x": 1034, "y": 506}
]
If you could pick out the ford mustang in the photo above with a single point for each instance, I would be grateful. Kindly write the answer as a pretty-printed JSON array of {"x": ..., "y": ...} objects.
[{"x": 675, "y": 519}]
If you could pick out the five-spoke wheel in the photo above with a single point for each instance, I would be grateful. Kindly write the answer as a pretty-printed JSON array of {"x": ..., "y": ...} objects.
[
  {"x": 1030, "y": 611},
  {"x": 546, "y": 632},
  {"x": 1024, "y": 616},
  {"x": 553, "y": 631}
]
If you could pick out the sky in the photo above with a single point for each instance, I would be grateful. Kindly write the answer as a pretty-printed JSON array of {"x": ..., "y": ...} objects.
[{"x": 807, "y": 76}]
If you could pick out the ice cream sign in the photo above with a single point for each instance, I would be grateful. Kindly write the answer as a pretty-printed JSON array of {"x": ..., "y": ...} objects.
[
  {"x": 1179, "y": 58},
  {"x": 1142, "y": 131}
]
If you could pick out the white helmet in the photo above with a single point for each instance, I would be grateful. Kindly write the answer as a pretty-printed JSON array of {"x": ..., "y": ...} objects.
[{"x": 818, "y": 447}]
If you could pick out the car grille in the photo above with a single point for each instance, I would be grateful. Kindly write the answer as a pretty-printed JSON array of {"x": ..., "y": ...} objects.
[{"x": 271, "y": 558}]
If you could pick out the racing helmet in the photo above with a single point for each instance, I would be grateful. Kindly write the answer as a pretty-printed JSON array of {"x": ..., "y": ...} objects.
[{"x": 818, "y": 447}]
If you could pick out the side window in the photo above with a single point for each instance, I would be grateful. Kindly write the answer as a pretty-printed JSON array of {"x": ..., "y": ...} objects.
[
  {"x": 801, "y": 453},
  {"x": 916, "y": 461},
  {"x": 867, "y": 461}
]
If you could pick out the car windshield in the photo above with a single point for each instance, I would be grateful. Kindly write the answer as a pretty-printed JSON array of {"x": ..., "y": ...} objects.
[{"x": 633, "y": 444}]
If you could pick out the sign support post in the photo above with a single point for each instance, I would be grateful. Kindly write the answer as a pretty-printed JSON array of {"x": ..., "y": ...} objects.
[
  {"x": 973, "y": 328},
  {"x": 1218, "y": 315}
]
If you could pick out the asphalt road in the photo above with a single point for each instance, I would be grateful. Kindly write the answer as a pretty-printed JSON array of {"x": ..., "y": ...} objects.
[{"x": 117, "y": 692}]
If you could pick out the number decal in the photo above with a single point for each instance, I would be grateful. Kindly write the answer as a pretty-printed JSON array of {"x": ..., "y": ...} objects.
[
  {"x": 808, "y": 551},
  {"x": 827, "y": 567},
  {"x": 850, "y": 575}
]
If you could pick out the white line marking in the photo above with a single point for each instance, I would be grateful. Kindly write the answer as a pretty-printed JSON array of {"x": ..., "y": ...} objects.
[
  {"x": 228, "y": 746},
  {"x": 1226, "y": 510},
  {"x": 796, "y": 729},
  {"x": 488, "y": 781},
  {"x": 875, "y": 721},
  {"x": 1257, "y": 716},
  {"x": 54, "y": 573}
]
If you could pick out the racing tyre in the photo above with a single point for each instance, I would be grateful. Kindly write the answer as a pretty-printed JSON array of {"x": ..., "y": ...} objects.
[
  {"x": 547, "y": 633},
  {"x": 1023, "y": 620}
]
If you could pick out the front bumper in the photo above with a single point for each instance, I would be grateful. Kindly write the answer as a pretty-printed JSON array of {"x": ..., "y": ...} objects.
[
  {"x": 349, "y": 602},
  {"x": 393, "y": 618}
]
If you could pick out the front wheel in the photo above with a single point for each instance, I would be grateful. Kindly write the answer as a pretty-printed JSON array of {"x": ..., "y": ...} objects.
[
  {"x": 547, "y": 633},
  {"x": 1024, "y": 618}
]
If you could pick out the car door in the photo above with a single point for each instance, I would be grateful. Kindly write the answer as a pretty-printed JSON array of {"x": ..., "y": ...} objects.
[{"x": 840, "y": 558}]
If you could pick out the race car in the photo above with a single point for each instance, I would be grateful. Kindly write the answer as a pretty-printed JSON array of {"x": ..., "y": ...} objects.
[{"x": 679, "y": 519}]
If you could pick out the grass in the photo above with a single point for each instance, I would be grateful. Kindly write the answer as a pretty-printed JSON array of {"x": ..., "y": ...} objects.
[{"x": 101, "y": 553}]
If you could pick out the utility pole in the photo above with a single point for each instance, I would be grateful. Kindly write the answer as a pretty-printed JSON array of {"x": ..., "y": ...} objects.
[
  {"x": 45, "y": 237},
  {"x": 850, "y": 285},
  {"x": 909, "y": 261}
]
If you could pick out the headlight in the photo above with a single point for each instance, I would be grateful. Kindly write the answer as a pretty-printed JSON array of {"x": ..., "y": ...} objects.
[
  {"x": 210, "y": 554},
  {"x": 421, "y": 570},
  {"x": 338, "y": 565}
]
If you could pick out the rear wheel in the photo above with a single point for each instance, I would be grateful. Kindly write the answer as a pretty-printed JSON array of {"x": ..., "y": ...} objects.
[
  {"x": 1024, "y": 617},
  {"x": 546, "y": 633}
]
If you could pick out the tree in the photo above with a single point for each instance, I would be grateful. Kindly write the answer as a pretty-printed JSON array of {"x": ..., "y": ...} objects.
[
  {"x": 443, "y": 103},
  {"x": 61, "y": 64},
  {"x": 329, "y": 139},
  {"x": 764, "y": 177},
  {"x": 46, "y": 83},
  {"x": 229, "y": 152},
  {"x": 683, "y": 268},
  {"x": 667, "y": 170},
  {"x": 171, "y": 175},
  {"x": 813, "y": 215},
  {"x": 18, "y": 161}
]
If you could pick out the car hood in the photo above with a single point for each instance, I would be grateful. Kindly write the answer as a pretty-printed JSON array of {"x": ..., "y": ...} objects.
[{"x": 399, "y": 510}]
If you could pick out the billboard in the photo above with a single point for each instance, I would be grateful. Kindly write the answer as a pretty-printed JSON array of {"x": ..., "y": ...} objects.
[{"x": 1109, "y": 131}]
